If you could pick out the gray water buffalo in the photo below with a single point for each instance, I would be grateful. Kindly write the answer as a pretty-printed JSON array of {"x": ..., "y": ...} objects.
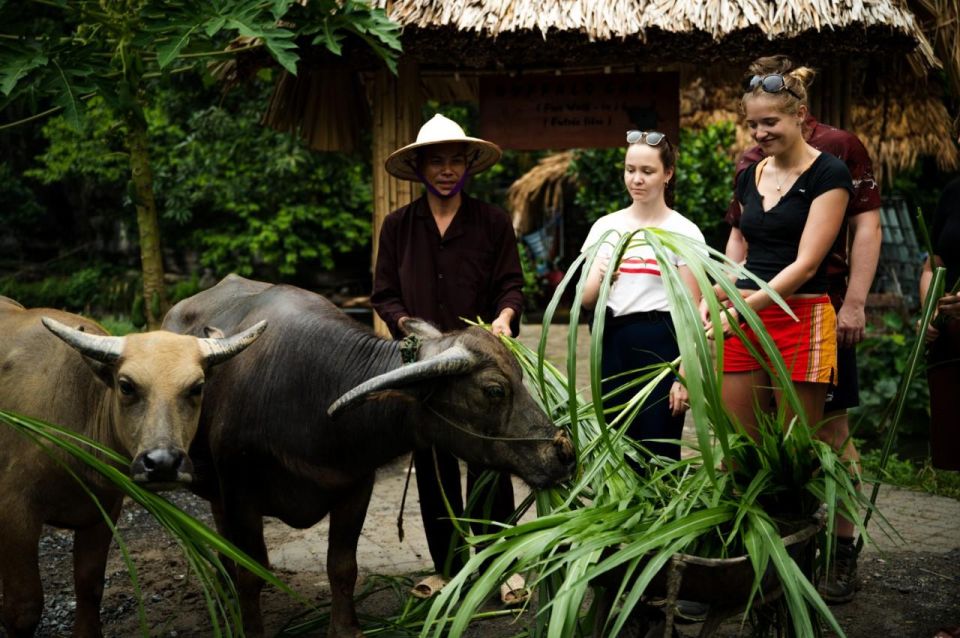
[
  {"x": 140, "y": 395},
  {"x": 290, "y": 431}
]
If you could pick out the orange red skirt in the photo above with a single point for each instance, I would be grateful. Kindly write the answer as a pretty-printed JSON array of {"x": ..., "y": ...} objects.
[{"x": 808, "y": 346}]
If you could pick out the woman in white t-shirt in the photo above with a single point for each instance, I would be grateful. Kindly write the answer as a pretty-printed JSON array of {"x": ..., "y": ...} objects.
[{"x": 638, "y": 331}]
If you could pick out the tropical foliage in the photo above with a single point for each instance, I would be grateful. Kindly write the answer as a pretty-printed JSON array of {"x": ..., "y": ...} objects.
[
  {"x": 63, "y": 53},
  {"x": 881, "y": 365},
  {"x": 910, "y": 474},
  {"x": 235, "y": 193},
  {"x": 234, "y": 197}
]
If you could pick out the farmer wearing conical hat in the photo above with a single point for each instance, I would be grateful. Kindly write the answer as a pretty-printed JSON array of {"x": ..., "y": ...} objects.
[{"x": 444, "y": 258}]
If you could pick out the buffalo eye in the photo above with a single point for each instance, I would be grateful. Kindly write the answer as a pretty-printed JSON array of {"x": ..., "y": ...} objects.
[
  {"x": 197, "y": 390},
  {"x": 494, "y": 391},
  {"x": 126, "y": 388}
]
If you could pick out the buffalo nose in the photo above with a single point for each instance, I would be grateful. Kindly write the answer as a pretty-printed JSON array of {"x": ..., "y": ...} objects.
[{"x": 162, "y": 465}]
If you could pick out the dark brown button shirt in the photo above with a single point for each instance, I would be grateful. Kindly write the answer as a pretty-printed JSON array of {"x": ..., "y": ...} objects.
[{"x": 472, "y": 271}]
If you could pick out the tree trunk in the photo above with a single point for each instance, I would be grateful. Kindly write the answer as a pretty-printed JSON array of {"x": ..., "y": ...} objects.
[{"x": 154, "y": 292}]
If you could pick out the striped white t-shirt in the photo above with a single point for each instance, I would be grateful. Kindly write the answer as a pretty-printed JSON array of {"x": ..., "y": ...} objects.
[{"x": 639, "y": 288}]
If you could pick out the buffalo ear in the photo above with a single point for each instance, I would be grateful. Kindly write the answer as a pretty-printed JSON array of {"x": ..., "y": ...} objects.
[
  {"x": 421, "y": 328},
  {"x": 103, "y": 371}
]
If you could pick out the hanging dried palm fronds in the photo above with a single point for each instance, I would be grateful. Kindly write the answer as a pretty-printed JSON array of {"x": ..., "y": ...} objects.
[
  {"x": 911, "y": 127},
  {"x": 705, "y": 101},
  {"x": 940, "y": 20},
  {"x": 325, "y": 106},
  {"x": 539, "y": 190}
]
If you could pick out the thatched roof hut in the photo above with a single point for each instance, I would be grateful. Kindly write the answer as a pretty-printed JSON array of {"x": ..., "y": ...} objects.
[{"x": 580, "y": 32}]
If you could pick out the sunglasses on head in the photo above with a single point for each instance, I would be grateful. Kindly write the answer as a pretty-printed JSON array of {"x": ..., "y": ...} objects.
[
  {"x": 651, "y": 138},
  {"x": 773, "y": 83}
]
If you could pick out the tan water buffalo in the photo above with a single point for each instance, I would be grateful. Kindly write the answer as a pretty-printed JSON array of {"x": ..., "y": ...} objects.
[
  {"x": 288, "y": 429},
  {"x": 139, "y": 394}
]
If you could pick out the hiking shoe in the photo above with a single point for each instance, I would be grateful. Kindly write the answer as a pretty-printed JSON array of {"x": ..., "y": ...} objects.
[
  {"x": 841, "y": 583},
  {"x": 688, "y": 611}
]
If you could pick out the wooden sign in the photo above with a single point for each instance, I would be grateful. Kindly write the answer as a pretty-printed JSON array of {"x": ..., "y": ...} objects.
[{"x": 531, "y": 112}]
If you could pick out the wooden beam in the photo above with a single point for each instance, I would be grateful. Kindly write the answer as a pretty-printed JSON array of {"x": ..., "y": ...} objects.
[{"x": 396, "y": 102}]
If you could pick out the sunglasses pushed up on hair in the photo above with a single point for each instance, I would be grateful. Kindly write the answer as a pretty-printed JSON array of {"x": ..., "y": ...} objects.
[
  {"x": 773, "y": 83},
  {"x": 651, "y": 138}
]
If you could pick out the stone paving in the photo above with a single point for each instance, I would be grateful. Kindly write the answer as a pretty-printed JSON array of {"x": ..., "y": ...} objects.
[{"x": 926, "y": 523}]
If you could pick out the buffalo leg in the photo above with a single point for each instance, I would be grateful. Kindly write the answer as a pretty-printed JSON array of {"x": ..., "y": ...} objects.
[
  {"x": 243, "y": 526},
  {"x": 20, "y": 573},
  {"x": 346, "y": 523},
  {"x": 90, "y": 548}
]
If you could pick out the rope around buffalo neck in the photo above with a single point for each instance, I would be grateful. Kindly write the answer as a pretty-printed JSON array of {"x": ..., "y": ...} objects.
[
  {"x": 409, "y": 351},
  {"x": 484, "y": 436}
]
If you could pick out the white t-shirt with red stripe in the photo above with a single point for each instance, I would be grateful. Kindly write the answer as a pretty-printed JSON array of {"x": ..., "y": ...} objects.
[{"x": 639, "y": 287}]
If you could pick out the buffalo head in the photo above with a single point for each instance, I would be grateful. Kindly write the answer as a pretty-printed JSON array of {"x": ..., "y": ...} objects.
[
  {"x": 156, "y": 387},
  {"x": 470, "y": 399}
]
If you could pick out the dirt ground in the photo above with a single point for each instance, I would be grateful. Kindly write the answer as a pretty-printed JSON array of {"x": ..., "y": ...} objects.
[{"x": 906, "y": 594}]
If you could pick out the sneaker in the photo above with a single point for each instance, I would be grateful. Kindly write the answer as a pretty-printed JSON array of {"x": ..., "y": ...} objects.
[{"x": 841, "y": 583}]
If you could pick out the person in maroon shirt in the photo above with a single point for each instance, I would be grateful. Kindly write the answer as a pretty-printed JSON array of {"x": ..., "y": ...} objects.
[
  {"x": 448, "y": 257},
  {"x": 849, "y": 281}
]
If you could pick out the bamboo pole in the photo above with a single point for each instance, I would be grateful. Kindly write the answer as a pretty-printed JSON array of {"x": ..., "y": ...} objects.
[{"x": 395, "y": 103}]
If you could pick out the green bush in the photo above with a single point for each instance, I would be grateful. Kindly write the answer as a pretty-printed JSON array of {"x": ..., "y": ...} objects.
[
  {"x": 881, "y": 363},
  {"x": 93, "y": 290},
  {"x": 82, "y": 288},
  {"x": 183, "y": 289},
  {"x": 243, "y": 197},
  {"x": 705, "y": 177},
  {"x": 533, "y": 284},
  {"x": 19, "y": 209},
  {"x": 905, "y": 473},
  {"x": 600, "y": 188},
  {"x": 118, "y": 326}
]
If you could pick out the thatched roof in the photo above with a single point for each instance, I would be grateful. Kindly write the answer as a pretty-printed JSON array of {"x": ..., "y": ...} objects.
[
  {"x": 488, "y": 30},
  {"x": 940, "y": 21}
]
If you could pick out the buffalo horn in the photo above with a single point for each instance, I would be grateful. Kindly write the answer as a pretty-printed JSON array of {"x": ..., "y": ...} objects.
[
  {"x": 453, "y": 360},
  {"x": 98, "y": 347},
  {"x": 220, "y": 349}
]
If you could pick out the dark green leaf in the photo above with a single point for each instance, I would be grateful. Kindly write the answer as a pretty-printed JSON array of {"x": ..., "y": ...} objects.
[{"x": 170, "y": 49}]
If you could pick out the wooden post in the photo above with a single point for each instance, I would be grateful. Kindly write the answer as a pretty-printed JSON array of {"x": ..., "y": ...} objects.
[{"x": 396, "y": 102}]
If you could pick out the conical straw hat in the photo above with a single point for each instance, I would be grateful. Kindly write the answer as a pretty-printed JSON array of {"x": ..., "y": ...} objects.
[{"x": 481, "y": 154}]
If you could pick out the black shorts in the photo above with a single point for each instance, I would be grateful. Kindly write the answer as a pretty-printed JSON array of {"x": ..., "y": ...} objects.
[{"x": 846, "y": 393}]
